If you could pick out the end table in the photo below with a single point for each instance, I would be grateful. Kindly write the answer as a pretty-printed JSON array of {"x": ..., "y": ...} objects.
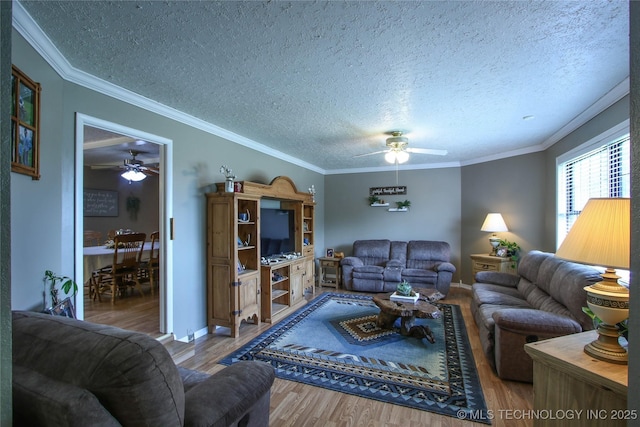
[{"x": 330, "y": 272}]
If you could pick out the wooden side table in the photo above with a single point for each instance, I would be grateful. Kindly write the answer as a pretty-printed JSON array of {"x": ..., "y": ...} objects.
[
  {"x": 566, "y": 380},
  {"x": 330, "y": 272},
  {"x": 486, "y": 262}
]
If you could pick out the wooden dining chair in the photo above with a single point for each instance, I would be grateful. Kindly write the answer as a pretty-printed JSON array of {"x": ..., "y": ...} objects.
[
  {"x": 92, "y": 238},
  {"x": 123, "y": 271},
  {"x": 150, "y": 267}
]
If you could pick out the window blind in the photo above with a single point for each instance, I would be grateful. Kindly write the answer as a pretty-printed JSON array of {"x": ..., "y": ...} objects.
[{"x": 603, "y": 172}]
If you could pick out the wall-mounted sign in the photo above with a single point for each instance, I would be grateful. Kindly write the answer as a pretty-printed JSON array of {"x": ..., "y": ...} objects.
[
  {"x": 100, "y": 202},
  {"x": 388, "y": 191}
]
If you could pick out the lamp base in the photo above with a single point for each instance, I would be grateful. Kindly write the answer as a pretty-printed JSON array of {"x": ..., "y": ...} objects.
[{"x": 607, "y": 347}]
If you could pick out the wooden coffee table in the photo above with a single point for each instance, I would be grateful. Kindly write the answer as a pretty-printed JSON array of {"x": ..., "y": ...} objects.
[{"x": 408, "y": 312}]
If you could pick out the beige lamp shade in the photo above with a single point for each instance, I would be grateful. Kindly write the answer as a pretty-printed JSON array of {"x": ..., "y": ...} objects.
[
  {"x": 494, "y": 222},
  {"x": 601, "y": 234}
]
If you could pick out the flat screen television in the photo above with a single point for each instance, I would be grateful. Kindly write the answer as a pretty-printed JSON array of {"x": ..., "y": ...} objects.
[{"x": 277, "y": 232}]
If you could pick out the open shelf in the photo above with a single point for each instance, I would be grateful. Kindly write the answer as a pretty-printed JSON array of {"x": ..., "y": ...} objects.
[{"x": 277, "y": 293}]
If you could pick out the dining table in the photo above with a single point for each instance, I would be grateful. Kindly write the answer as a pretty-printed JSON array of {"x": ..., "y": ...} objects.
[{"x": 96, "y": 257}]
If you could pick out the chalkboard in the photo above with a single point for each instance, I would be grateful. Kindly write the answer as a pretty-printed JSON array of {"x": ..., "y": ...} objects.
[{"x": 100, "y": 202}]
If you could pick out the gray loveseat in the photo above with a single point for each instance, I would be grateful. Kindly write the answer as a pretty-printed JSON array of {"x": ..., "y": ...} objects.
[
  {"x": 543, "y": 301},
  {"x": 67, "y": 372},
  {"x": 379, "y": 265}
]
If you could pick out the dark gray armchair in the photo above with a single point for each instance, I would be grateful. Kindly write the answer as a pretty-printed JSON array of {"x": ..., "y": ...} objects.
[{"x": 74, "y": 373}]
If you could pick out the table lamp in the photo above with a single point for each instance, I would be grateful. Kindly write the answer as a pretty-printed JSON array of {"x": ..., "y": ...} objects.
[
  {"x": 492, "y": 223},
  {"x": 601, "y": 237}
]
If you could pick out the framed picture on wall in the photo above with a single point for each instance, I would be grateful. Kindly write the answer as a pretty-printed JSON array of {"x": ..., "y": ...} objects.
[
  {"x": 330, "y": 253},
  {"x": 25, "y": 124}
]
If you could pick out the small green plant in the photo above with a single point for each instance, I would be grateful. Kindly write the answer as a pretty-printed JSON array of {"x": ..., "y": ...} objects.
[
  {"x": 513, "y": 250},
  {"x": 67, "y": 284},
  {"x": 374, "y": 199},
  {"x": 404, "y": 289},
  {"x": 403, "y": 204}
]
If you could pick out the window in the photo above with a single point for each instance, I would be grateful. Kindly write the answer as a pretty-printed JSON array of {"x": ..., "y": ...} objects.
[{"x": 600, "y": 172}]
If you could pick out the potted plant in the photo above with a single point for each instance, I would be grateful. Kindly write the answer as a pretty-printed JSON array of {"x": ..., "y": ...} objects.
[
  {"x": 403, "y": 205},
  {"x": 513, "y": 250},
  {"x": 66, "y": 285}
]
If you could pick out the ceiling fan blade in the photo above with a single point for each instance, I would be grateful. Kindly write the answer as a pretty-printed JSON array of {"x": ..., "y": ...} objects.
[
  {"x": 101, "y": 167},
  {"x": 371, "y": 154},
  {"x": 427, "y": 151}
]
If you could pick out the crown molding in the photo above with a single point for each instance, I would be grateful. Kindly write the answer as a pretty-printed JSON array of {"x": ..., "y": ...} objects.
[{"x": 29, "y": 29}]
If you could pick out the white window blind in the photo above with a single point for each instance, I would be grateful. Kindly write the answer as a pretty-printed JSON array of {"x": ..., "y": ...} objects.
[{"x": 603, "y": 172}]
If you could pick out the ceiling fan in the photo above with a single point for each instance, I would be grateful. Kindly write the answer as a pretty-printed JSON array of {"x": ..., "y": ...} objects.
[
  {"x": 398, "y": 152},
  {"x": 133, "y": 169}
]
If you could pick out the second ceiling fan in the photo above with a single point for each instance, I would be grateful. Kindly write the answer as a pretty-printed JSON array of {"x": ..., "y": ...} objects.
[{"x": 398, "y": 152}]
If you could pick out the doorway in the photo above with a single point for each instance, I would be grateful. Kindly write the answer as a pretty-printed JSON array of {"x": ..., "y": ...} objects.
[{"x": 105, "y": 147}]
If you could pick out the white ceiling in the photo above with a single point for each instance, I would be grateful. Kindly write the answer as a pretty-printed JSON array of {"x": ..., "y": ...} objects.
[{"x": 323, "y": 81}]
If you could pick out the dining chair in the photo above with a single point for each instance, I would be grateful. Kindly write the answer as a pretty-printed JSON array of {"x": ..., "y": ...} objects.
[
  {"x": 92, "y": 238},
  {"x": 123, "y": 271},
  {"x": 150, "y": 267}
]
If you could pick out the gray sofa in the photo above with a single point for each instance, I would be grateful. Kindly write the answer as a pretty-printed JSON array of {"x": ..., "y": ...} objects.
[
  {"x": 543, "y": 301},
  {"x": 67, "y": 372},
  {"x": 379, "y": 265}
]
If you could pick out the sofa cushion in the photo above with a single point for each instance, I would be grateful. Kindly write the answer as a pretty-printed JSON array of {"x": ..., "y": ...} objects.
[
  {"x": 529, "y": 265},
  {"x": 416, "y": 276},
  {"x": 368, "y": 272},
  {"x": 41, "y": 401},
  {"x": 399, "y": 252},
  {"x": 372, "y": 252},
  {"x": 424, "y": 254},
  {"x": 500, "y": 297},
  {"x": 119, "y": 367}
]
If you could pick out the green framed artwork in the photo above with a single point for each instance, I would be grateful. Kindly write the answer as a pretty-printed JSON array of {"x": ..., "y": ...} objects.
[{"x": 25, "y": 124}]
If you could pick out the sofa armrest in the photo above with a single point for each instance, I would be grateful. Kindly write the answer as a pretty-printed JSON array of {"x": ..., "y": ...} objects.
[
  {"x": 445, "y": 266},
  {"x": 535, "y": 322},
  {"x": 227, "y": 395},
  {"x": 497, "y": 278},
  {"x": 44, "y": 401},
  {"x": 351, "y": 261}
]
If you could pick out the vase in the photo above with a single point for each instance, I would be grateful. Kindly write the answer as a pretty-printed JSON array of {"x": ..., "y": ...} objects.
[{"x": 228, "y": 185}]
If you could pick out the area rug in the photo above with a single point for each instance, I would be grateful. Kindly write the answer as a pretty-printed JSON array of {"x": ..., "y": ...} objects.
[{"x": 333, "y": 342}]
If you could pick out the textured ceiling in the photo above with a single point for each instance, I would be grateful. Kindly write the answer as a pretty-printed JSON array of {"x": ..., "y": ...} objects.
[{"x": 324, "y": 81}]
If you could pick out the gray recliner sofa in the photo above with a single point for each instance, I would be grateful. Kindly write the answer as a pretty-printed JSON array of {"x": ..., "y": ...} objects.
[
  {"x": 543, "y": 301},
  {"x": 68, "y": 372},
  {"x": 379, "y": 265}
]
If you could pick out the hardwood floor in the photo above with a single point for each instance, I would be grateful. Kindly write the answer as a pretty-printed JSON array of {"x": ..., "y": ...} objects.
[
  {"x": 133, "y": 312},
  {"x": 295, "y": 404}
]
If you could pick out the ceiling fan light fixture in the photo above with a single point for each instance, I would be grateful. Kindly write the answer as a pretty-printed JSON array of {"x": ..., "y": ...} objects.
[
  {"x": 133, "y": 175},
  {"x": 402, "y": 156},
  {"x": 390, "y": 157}
]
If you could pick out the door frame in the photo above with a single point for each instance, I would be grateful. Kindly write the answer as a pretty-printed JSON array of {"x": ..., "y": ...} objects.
[{"x": 165, "y": 211}]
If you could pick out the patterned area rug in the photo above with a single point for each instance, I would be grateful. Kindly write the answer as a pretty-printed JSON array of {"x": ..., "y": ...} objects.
[{"x": 333, "y": 342}]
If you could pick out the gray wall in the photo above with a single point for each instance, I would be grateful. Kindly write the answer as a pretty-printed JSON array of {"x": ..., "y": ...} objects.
[
  {"x": 434, "y": 213},
  {"x": 43, "y": 210},
  {"x": 513, "y": 187},
  {"x": 146, "y": 190}
]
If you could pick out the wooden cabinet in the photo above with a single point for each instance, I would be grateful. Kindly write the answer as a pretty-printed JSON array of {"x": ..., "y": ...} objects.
[
  {"x": 307, "y": 229},
  {"x": 238, "y": 286},
  {"x": 484, "y": 262},
  {"x": 233, "y": 260},
  {"x": 282, "y": 288},
  {"x": 566, "y": 380}
]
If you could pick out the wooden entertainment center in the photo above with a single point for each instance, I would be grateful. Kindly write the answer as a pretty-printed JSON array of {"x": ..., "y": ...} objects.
[{"x": 241, "y": 285}]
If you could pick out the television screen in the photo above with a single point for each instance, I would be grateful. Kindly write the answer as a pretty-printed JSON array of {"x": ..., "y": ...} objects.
[{"x": 277, "y": 232}]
